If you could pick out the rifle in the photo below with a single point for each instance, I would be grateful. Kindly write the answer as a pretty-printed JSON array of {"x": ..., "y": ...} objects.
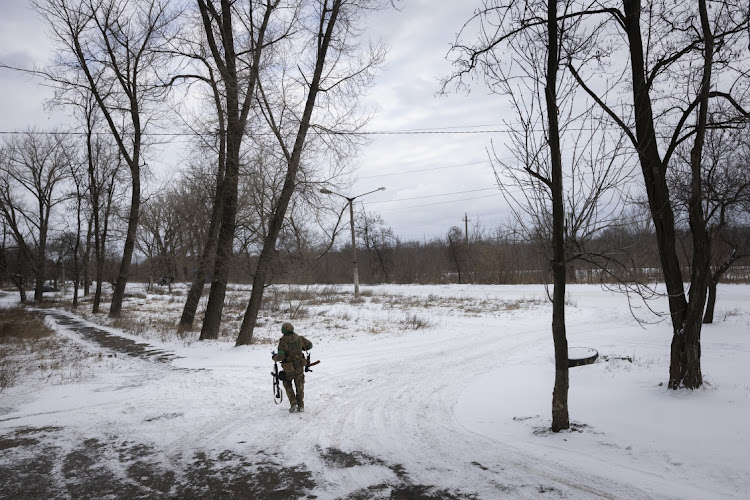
[
  {"x": 308, "y": 364},
  {"x": 278, "y": 396}
]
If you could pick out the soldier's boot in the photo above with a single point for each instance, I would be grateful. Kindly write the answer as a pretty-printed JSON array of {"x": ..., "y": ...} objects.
[
  {"x": 294, "y": 409},
  {"x": 301, "y": 408}
]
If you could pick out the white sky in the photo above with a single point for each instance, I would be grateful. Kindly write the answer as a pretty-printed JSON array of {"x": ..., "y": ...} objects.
[
  {"x": 419, "y": 38},
  {"x": 417, "y": 170}
]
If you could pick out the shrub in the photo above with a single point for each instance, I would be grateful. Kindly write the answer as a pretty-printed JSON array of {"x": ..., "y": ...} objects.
[{"x": 415, "y": 322}]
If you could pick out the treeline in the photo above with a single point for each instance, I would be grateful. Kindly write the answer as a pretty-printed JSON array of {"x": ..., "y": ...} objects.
[
  {"x": 169, "y": 243},
  {"x": 485, "y": 259}
]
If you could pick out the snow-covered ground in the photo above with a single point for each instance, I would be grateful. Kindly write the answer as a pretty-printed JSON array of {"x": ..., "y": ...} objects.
[{"x": 425, "y": 391}]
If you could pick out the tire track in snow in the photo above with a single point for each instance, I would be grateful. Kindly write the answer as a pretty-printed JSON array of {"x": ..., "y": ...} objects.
[{"x": 389, "y": 419}]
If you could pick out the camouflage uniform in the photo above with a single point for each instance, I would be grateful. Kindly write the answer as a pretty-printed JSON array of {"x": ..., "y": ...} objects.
[{"x": 293, "y": 362}]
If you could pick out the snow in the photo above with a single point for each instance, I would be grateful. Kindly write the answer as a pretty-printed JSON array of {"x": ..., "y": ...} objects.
[{"x": 447, "y": 386}]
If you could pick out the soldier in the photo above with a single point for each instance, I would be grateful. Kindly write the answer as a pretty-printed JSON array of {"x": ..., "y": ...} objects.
[{"x": 292, "y": 360}]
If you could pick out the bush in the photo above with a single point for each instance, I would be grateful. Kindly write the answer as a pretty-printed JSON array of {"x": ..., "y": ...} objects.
[{"x": 415, "y": 322}]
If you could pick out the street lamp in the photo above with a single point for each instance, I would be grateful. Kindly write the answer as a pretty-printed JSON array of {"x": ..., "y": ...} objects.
[{"x": 351, "y": 199}]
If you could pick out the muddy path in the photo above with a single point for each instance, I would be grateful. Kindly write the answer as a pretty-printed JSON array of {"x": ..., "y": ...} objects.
[{"x": 108, "y": 340}]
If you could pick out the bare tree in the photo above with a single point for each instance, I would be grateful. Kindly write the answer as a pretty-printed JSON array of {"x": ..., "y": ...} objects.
[
  {"x": 32, "y": 171},
  {"x": 160, "y": 235},
  {"x": 104, "y": 163},
  {"x": 669, "y": 102},
  {"x": 237, "y": 59},
  {"x": 114, "y": 49},
  {"x": 378, "y": 241},
  {"x": 337, "y": 73},
  {"x": 210, "y": 123},
  {"x": 726, "y": 196},
  {"x": 13, "y": 264},
  {"x": 457, "y": 249},
  {"x": 561, "y": 199},
  {"x": 78, "y": 176}
]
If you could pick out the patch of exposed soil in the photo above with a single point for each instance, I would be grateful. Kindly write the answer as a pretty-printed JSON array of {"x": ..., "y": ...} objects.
[{"x": 35, "y": 463}]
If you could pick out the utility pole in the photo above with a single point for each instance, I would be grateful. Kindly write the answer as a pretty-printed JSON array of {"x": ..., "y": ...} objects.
[
  {"x": 466, "y": 228},
  {"x": 350, "y": 201}
]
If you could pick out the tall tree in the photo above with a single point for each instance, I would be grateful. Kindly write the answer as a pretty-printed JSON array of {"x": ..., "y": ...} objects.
[
  {"x": 710, "y": 43},
  {"x": 237, "y": 57},
  {"x": 104, "y": 165},
  {"x": 210, "y": 121},
  {"x": 78, "y": 175},
  {"x": 115, "y": 50},
  {"x": 560, "y": 418},
  {"x": 562, "y": 201},
  {"x": 457, "y": 249},
  {"x": 337, "y": 71},
  {"x": 379, "y": 241}
]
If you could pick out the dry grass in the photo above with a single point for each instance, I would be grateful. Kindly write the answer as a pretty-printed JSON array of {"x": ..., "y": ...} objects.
[
  {"x": 20, "y": 324},
  {"x": 468, "y": 306},
  {"x": 732, "y": 313},
  {"x": 29, "y": 348},
  {"x": 415, "y": 322}
]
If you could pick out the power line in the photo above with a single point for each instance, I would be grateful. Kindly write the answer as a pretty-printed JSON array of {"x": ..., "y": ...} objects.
[
  {"x": 426, "y": 131},
  {"x": 440, "y": 203},
  {"x": 431, "y": 196},
  {"x": 425, "y": 169},
  {"x": 330, "y": 132}
]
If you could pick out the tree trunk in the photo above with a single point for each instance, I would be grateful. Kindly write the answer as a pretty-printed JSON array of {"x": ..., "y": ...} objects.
[
  {"x": 249, "y": 320},
  {"x": 76, "y": 247},
  {"x": 225, "y": 240},
  {"x": 560, "y": 417},
  {"x": 101, "y": 244},
  {"x": 713, "y": 282},
  {"x": 690, "y": 356},
  {"x": 199, "y": 280},
  {"x": 39, "y": 285},
  {"x": 685, "y": 364},
  {"x": 226, "y": 59},
  {"x": 76, "y": 281},
  {"x": 456, "y": 261},
  {"x": 293, "y": 162},
  {"x": 87, "y": 261},
  {"x": 708, "y": 316},
  {"x": 654, "y": 171},
  {"x": 41, "y": 262},
  {"x": 122, "y": 277},
  {"x": 95, "y": 194},
  {"x": 686, "y": 315}
]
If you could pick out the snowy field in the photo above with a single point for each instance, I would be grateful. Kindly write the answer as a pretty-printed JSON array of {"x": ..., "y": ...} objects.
[{"x": 422, "y": 392}]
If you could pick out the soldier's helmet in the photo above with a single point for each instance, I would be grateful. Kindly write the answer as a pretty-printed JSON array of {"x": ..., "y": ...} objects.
[{"x": 287, "y": 328}]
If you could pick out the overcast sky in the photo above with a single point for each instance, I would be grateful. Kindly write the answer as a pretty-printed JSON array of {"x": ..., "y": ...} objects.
[{"x": 431, "y": 180}]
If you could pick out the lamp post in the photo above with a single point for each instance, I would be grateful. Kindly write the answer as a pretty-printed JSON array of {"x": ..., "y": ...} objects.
[{"x": 351, "y": 199}]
